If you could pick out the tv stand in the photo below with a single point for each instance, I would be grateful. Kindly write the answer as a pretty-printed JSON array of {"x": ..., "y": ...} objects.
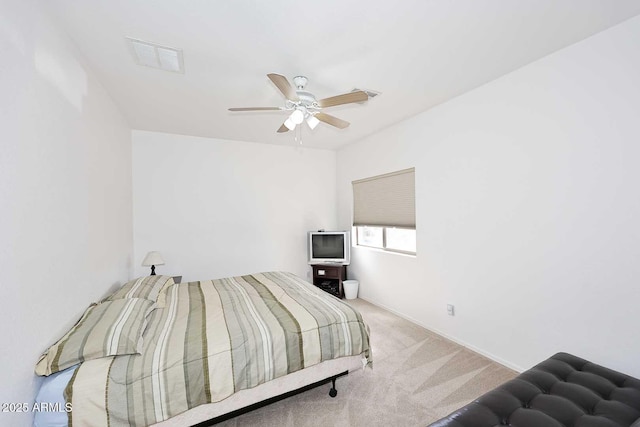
[{"x": 329, "y": 277}]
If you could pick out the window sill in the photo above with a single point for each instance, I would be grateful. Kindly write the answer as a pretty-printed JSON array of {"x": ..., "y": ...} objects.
[{"x": 385, "y": 251}]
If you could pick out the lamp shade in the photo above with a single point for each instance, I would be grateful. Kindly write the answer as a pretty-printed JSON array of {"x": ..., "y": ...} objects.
[
  {"x": 297, "y": 117},
  {"x": 153, "y": 258},
  {"x": 312, "y": 121},
  {"x": 289, "y": 124}
]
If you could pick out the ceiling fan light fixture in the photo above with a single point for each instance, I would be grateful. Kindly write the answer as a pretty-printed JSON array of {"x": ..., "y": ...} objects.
[
  {"x": 297, "y": 116},
  {"x": 289, "y": 124},
  {"x": 312, "y": 121}
]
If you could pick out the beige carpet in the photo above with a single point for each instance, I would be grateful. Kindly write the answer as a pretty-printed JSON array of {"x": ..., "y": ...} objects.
[{"x": 417, "y": 378}]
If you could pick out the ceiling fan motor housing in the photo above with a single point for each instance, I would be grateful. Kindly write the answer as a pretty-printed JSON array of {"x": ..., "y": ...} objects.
[{"x": 306, "y": 98}]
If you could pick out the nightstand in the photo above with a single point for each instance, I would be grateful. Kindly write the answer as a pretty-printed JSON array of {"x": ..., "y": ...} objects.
[{"x": 329, "y": 277}]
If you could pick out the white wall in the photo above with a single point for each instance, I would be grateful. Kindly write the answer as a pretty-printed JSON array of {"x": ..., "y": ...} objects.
[
  {"x": 217, "y": 208},
  {"x": 65, "y": 193},
  {"x": 528, "y": 209}
]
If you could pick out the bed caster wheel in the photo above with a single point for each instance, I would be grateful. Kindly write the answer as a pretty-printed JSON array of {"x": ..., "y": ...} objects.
[{"x": 333, "y": 392}]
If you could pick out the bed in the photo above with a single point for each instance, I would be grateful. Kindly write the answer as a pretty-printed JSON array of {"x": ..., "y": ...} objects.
[{"x": 205, "y": 349}]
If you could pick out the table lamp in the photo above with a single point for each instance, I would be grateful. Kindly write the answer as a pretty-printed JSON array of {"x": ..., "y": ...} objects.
[{"x": 152, "y": 259}]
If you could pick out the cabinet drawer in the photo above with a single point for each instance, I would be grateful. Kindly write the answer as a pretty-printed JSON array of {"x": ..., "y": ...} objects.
[{"x": 330, "y": 272}]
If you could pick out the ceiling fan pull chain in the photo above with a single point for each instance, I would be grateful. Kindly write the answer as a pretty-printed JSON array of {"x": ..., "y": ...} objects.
[{"x": 298, "y": 134}]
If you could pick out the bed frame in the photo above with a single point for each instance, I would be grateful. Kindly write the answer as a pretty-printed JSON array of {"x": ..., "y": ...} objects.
[
  {"x": 332, "y": 392},
  {"x": 273, "y": 391}
]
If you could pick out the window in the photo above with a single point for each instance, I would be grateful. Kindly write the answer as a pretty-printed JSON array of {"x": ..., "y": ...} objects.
[
  {"x": 400, "y": 239},
  {"x": 370, "y": 236},
  {"x": 384, "y": 213},
  {"x": 387, "y": 238}
]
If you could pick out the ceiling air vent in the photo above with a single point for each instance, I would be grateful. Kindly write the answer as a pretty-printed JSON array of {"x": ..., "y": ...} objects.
[{"x": 156, "y": 56}]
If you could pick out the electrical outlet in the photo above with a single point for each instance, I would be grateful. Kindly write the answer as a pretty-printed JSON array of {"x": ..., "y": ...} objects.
[{"x": 451, "y": 310}]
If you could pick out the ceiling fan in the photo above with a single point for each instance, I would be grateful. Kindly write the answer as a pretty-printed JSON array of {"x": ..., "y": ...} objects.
[{"x": 304, "y": 106}]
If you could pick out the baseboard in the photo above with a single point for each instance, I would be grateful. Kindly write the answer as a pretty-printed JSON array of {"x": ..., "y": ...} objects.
[{"x": 471, "y": 347}]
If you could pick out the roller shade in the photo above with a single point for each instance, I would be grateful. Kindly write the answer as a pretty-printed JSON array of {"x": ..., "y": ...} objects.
[{"x": 387, "y": 200}]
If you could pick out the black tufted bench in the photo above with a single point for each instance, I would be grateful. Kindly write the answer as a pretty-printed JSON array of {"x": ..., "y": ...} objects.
[{"x": 562, "y": 391}]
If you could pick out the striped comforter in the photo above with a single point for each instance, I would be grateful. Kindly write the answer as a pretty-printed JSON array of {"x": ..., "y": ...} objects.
[{"x": 212, "y": 339}]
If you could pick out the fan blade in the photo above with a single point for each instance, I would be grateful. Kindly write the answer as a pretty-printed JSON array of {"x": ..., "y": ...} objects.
[
  {"x": 255, "y": 109},
  {"x": 283, "y": 129},
  {"x": 345, "y": 98},
  {"x": 285, "y": 87},
  {"x": 331, "y": 120}
]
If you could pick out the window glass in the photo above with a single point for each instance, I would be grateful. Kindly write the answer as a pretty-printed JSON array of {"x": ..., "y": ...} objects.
[
  {"x": 370, "y": 236},
  {"x": 401, "y": 239}
]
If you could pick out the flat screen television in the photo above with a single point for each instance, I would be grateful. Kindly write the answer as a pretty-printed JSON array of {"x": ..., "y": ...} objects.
[{"x": 332, "y": 247}]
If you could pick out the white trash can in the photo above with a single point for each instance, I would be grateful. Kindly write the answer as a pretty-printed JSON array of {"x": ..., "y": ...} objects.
[{"x": 350, "y": 289}]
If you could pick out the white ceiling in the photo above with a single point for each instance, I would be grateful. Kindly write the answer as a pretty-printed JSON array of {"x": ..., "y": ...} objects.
[{"x": 418, "y": 53}]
